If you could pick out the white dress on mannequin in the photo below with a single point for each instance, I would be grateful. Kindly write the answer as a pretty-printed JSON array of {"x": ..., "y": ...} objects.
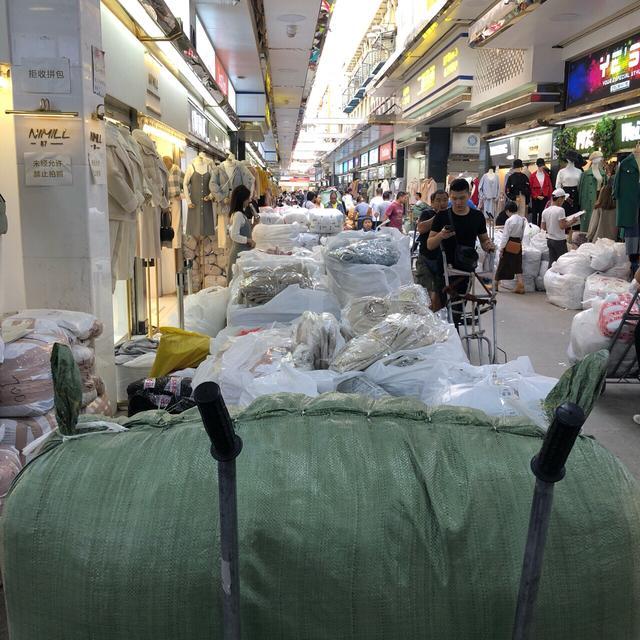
[{"x": 489, "y": 191}]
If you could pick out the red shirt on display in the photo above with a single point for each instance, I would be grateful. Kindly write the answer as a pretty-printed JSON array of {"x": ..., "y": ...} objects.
[
  {"x": 395, "y": 213},
  {"x": 538, "y": 189}
]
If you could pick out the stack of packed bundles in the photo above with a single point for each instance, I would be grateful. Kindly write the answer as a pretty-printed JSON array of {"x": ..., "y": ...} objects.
[
  {"x": 279, "y": 238},
  {"x": 394, "y": 333},
  {"x": 208, "y": 262},
  {"x": 326, "y": 221},
  {"x": 318, "y": 339}
]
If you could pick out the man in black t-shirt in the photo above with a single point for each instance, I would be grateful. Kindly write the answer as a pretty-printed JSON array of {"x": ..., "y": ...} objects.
[
  {"x": 458, "y": 225},
  {"x": 424, "y": 275}
]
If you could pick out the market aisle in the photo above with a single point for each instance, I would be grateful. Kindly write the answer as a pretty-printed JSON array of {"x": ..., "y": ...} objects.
[{"x": 530, "y": 326}]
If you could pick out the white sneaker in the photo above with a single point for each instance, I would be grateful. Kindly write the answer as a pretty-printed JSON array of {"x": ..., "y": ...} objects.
[{"x": 636, "y": 418}]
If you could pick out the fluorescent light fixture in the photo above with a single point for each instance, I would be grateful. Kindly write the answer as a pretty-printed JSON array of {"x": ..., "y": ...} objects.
[
  {"x": 595, "y": 116},
  {"x": 42, "y": 114},
  {"x": 524, "y": 132},
  {"x": 139, "y": 14},
  {"x": 163, "y": 135}
]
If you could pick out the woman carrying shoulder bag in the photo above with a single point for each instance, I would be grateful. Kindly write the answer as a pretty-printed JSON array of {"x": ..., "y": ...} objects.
[
  {"x": 240, "y": 229},
  {"x": 510, "y": 265}
]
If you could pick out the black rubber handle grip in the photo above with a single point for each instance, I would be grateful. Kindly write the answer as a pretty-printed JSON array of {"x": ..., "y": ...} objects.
[
  {"x": 548, "y": 465},
  {"x": 225, "y": 444}
]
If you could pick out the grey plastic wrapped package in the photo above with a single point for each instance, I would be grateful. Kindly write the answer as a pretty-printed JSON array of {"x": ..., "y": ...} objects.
[
  {"x": 396, "y": 332},
  {"x": 362, "y": 314},
  {"x": 318, "y": 339},
  {"x": 355, "y": 280},
  {"x": 380, "y": 250}
]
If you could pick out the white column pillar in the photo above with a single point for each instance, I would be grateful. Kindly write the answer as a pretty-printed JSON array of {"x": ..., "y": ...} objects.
[{"x": 63, "y": 205}]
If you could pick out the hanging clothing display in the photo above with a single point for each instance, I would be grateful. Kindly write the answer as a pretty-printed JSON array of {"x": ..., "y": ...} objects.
[
  {"x": 541, "y": 190},
  {"x": 626, "y": 191},
  {"x": 427, "y": 188},
  {"x": 200, "y": 219},
  {"x": 588, "y": 192},
  {"x": 125, "y": 196},
  {"x": 489, "y": 190},
  {"x": 149, "y": 218},
  {"x": 174, "y": 194},
  {"x": 603, "y": 218},
  {"x": 475, "y": 192}
]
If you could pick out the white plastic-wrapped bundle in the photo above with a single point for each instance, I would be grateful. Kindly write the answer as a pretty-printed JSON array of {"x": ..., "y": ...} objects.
[
  {"x": 539, "y": 242},
  {"x": 76, "y": 324},
  {"x": 414, "y": 372},
  {"x": 574, "y": 263},
  {"x": 600, "y": 286},
  {"x": 544, "y": 267},
  {"x": 20, "y": 432},
  {"x": 530, "y": 231},
  {"x": 349, "y": 280},
  {"x": 271, "y": 217},
  {"x": 10, "y": 465},
  {"x": 205, "y": 312},
  {"x": 26, "y": 383},
  {"x": 296, "y": 214},
  {"x": 394, "y": 333},
  {"x": 308, "y": 240},
  {"x": 279, "y": 237},
  {"x": 564, "y": 291},
  {"x": 325, "y": 221}
]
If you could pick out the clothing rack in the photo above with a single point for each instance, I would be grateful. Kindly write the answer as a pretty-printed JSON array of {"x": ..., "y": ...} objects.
[{"x": 631, "y": 373}]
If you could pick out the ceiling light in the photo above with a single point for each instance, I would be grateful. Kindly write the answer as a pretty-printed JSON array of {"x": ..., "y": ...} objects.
[
  {"x": 164, "y": 135},
  {"x": 292, "y": 30},
  {"x": 595, "y": 116},
  {"x": 225, "y": 3},
  {"x": 524, "y": 132},
  {"x": 291, "y": 18}
]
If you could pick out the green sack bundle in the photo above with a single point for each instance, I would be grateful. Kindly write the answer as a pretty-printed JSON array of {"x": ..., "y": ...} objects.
[{"x": 358, "y": 520}]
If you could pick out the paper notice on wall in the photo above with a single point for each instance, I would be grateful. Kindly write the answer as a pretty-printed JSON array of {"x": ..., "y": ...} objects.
[
  {"x": 96, "y": 164},
  {"x": 43, "y": 75},
  {"x": 47, "y": 169}
]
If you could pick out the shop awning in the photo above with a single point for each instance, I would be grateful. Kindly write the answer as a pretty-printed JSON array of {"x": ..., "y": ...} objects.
[{"x": 599, "y": 107}]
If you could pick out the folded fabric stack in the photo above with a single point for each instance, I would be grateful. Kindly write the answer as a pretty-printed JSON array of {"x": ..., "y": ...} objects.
[{"x": 208, "y": 262}]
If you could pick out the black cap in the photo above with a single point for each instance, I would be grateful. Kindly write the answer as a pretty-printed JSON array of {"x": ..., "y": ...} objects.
[{"x": 517, "y": 164}]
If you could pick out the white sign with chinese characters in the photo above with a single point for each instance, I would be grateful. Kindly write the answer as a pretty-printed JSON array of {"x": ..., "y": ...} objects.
[
  {"x": 47, "y": 169},
  {"x": 97, "y": 167},
  {"x": 44, "y": 75}
]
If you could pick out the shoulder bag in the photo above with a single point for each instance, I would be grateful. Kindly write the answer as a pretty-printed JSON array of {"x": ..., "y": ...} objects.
[
  {"x": 514, "y": 247},
  {"x": 464, "y": 258},
  {"x": 4, "y": 226}
]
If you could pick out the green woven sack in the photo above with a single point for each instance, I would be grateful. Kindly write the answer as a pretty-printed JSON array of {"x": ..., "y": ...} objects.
[{"x": 357, "y": 520}]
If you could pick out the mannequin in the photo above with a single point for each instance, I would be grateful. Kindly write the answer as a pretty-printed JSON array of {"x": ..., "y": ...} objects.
[
  {"x": 541, "y": 189},
  {"x": 626, "y": 191},
  {"x": 489, "y": 190},
  {"x": 569, "y": 180},
  {"x": 174, "y": 194},
  {"x": 156, "y": 176},
  {"x": 591, "y": 183},
  {"x": 224, "y": 179},
  {"x": 200, "y": 218},
  {"x": 518, "y": 188}
]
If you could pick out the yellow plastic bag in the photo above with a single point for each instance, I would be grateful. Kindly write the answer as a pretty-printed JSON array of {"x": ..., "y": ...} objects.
[{"x": 179, "y": 350}]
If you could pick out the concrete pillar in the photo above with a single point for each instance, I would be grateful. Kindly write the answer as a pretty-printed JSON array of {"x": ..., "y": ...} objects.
[
  {"x": 55, "y": 55},
  {"x": 439, "y": 148}
]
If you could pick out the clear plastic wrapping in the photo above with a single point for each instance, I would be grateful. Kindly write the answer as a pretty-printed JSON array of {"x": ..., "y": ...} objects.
[
  {"x": 318, "y": 339},
  {"x": 280, "y": 237},
  {"x": 329, "y": 221},
  {"x": 380, "y": 250},
  {"x": 394, "y": 333},
  {"x": 362, "y": 314}
]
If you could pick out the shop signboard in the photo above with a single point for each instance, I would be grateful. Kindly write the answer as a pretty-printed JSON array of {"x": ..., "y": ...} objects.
[
  {"x": 364, "y": 159},
  {"x": 627, "y": 132},
  {"x": 465, "y": 143},
  {"x": 610, "y": 71},
  {"x": 356, "y": 162},
  {"x": 43, "y": 169},
  {"x": 535, "y": 146},
  {"x": 222, "y": 79},
  {"x": 374, "y": 156},
  {"x": 501, "y": 151},
  {"x": 455, "y": 62},
  {"x": 198, "y": 124},
  {"x": 43, "y": 75},
  {"x": 584, "y": 139},
  {"x": 385, "y": 152}
]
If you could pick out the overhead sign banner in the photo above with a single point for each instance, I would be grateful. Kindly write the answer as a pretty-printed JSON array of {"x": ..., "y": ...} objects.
[
  {"x": 222, "y": 78},
  {"x": 608, "y": 72},
  {"x": 364, "y": 159},
  {"x": 374, "y": 156},
  {"x": 385, "y": 152}
]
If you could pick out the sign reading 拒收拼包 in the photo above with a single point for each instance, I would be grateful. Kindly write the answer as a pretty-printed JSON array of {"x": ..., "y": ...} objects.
[
  {"x": 606, "y": 73},
  {"x": 43, "y": 169},
  {"x": 43, "y": 75}
]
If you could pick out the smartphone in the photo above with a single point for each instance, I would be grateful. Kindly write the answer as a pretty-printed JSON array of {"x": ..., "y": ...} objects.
[{"x": 449, "y": 228}]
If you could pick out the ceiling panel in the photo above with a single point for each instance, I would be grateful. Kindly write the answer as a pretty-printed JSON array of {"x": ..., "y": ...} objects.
[
  {"x": 229, "y": 28},
  {"x": 287, "y": 97},
  {"x": 276, "y": 10}
]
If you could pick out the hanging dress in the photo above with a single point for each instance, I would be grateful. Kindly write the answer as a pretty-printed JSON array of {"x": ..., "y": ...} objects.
[{"x": 200, "y": 220}]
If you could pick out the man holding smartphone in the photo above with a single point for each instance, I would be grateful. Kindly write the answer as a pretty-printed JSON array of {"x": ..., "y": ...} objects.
[{"x": 459, "y": 225}]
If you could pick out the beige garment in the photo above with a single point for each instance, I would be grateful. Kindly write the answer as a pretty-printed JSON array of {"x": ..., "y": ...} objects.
[
  {"x": 521, "y": 201},
  {"x": 148, "y": 245},
  {"x": 123, "y": 237},
  {"x": 602, "y": 225},
  {"x": 176, "y": 222}
]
